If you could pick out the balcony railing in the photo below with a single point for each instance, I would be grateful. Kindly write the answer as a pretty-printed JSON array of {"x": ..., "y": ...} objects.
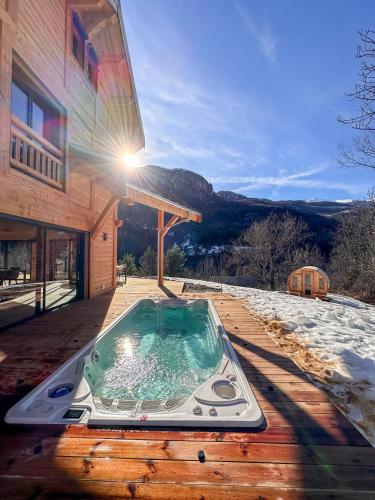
[{"x": 34, "y": 155}]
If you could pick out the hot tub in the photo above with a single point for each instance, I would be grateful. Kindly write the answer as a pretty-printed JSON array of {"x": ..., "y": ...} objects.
[{"x": 162, "y": 362}]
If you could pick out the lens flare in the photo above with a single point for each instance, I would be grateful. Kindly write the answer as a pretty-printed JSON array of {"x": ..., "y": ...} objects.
[{"x": 130, "y": 161}]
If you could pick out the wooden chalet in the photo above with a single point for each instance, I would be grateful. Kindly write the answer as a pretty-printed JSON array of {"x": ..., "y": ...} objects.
[{"x": 68, "y": 114}]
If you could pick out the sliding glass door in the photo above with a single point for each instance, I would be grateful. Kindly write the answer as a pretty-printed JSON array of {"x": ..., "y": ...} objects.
[
  {"x": 39, "y": 269},
  {"x": 61, "y": 268}
]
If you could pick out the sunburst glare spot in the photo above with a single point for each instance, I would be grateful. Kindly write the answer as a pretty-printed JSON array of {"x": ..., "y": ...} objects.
[
  {"x": 126, "y": 347},
  {"x": 130, "y": 161}
]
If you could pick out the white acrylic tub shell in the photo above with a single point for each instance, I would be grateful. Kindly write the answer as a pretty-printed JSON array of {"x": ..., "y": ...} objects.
[{"x": 224, "y": 400}]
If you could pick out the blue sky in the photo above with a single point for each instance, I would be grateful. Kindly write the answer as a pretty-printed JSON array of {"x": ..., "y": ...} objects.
[{"x": 247, "y": 92}]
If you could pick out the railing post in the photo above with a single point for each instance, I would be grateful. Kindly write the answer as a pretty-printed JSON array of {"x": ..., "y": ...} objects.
[{"x": 160, "y": 256}]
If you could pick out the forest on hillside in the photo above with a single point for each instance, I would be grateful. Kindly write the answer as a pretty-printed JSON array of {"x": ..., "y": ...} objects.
[{"x": 269, "y": 250}]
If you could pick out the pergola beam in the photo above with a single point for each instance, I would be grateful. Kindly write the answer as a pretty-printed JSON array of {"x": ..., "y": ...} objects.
[
  {"x": 138, "y": 195},
  {"x": 172, "y": 222},
  {"x": 179, "y": 214}
]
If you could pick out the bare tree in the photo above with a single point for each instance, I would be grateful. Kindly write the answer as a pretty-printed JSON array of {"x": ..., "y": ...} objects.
[
  {"x": 353, "y": 256},
  {"x": 206, "y": 269},
  {"x": 361, "y": 152},
  {"x": 211, "y": 267},
  {"x": 270, "y": 249}
]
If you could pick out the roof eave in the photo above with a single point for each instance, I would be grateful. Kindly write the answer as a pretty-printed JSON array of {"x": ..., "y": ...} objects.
[{"x": 116, "y": 5}]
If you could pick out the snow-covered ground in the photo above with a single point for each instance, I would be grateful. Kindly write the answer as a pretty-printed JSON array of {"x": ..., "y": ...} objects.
[{"x": 340, "y": 333}]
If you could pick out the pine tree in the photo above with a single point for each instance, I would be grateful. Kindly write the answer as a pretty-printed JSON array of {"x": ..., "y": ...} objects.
[
  {"x": 175, "y": 261},
  {"x": 129, "y": 261},
  {"x": 147, "y": 263}
]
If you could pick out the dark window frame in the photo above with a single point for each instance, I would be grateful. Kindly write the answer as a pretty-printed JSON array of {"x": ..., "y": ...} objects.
[
  {"x": 26, "y": 90},
  {"x": 80, "y": 40},
  {"x": 89, "y": 63},
  {"x": 92, "y": 66}
]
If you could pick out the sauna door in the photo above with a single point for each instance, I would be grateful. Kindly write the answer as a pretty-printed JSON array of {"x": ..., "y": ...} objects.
[{"x": 307, "y": 283}]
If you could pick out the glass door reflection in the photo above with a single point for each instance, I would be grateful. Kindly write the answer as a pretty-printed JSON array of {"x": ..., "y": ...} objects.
[
  {"x": 61, "y": 268},
  {"x": 40, "y": 269}
]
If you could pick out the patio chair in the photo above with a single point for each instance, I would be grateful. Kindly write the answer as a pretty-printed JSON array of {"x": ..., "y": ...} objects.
[
  {"x": 122, "y": 273},
  {"x": 9, "y": 275}
]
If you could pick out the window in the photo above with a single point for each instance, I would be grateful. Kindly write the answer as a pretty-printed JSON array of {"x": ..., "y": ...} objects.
[
  {"x": 38, "y": 118},
  {"x": 83, "y": 51},
  {"x": 20, "y": 103},
  {"x": 321, "y": 283},
  {"x": 92, "y": 66},
  {"x": 294, "y": 282},
  {"x": 34, "y": 110},
  {"x": 78, "y": 48},
  {"x": 37, "y": 134}
]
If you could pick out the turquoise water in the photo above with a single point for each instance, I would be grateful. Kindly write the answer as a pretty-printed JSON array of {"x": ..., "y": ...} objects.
[{"x": 156, "y": 351}]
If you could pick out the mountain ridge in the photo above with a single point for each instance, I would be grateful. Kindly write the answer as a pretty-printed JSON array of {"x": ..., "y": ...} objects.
[{"x": 225, "y": 213}]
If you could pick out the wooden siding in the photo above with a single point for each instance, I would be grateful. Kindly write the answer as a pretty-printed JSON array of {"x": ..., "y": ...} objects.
[
  {"x": 80, "y": 190},
  {"x": 307, "y": 450},
  {"x": 103, "y": 252},
  {"x": 39, "y": 36},
  {"x": 39, "y": 40}
]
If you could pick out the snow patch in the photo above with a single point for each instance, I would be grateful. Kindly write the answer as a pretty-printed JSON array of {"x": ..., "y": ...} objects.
[
  {"x": 339, "y": 332},
  {"x": 348, "y": 200}
]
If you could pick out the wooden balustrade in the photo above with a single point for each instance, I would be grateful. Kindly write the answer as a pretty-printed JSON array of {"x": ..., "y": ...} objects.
[{"x": 34, "y": 155}]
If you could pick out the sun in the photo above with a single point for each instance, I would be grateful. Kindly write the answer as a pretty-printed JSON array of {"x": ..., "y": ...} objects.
[{"x": 130, "y": 161}]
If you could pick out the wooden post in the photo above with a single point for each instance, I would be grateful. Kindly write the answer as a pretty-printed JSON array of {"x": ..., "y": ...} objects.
[
  {"x": 33, "y": 259},
  {"x": 162, "y": 231},
  {"x": 160, "y": 248},
  {"x": 6, "y": 253},
  {"x": 70, "y": 258},
  {"x": 44, "y": 269},
  {"x": 87, "y": 262},
  {"x": 39, "y": 267}
]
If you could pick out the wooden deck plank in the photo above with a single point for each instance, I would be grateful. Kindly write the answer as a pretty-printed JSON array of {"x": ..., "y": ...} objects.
[
  {"x": 191, "y": 472},
  {"x": 148, "y": 449},
  {"x": 298, "y": 434},
  {"x": 21, "y": 488},
  {"x": 307, "y": 450}
]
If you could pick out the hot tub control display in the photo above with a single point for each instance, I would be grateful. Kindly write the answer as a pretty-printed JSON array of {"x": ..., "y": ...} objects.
[{"x": 73, "y": 414}]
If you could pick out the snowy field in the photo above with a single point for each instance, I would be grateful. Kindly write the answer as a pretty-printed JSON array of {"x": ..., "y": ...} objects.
[{"x": 340, "y": 333}]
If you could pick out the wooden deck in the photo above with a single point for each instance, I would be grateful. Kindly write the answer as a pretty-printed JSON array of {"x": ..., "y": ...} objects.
[{"x": 308, "y": 449}]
